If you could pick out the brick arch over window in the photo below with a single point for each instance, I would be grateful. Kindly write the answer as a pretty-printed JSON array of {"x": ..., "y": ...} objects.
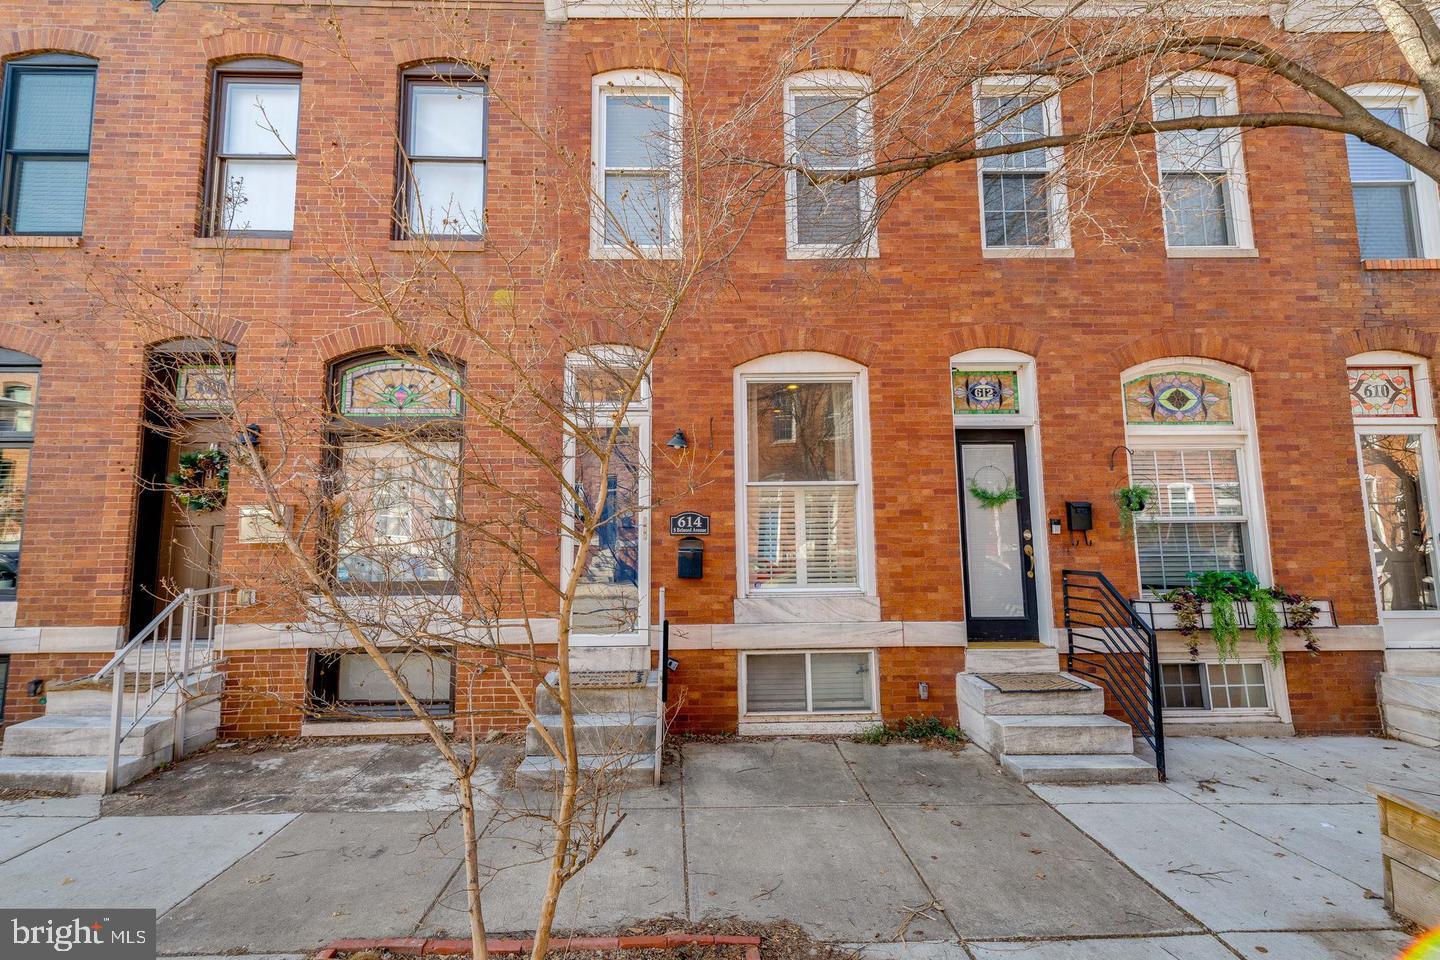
[
  {"x": 379, "y": 335},
  {"x": 1004, "y": 336},
  {"x": 1398, "y": 339},
  {"x": 409, "y": 54},
  {"x": 1207, "y": 345},
  {"x": 631, "y": 57},
  {"x": 230, "y": 337},
  {"x": 33, "y": 342},
  {"x": 237, "y": 44},
  {"x": 51, "y": 40},
  {"x": 799, "y": 340},
  {"x": 829, "y": 57}
]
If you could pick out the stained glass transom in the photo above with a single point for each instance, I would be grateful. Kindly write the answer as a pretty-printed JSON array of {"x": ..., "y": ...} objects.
[
  {"x": 1382, "y": 392},
  {"x": 203, "y": 387},
  {"x": 396, "y": 388},
  {"x": 985, "y": 391},
  {"x": 1178, "y": 397}
]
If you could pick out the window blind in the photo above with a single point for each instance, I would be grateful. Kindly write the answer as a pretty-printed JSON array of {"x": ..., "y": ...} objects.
[
  {"x": 775, "y": 683},
  {"x": 828, "y": 139},
  {"x": 803, "y": 536},
  {"x": 1383, "y": 187},
  {"x": 638, "y": 157},
  {"x": 1194, "y": 174},
  {"x": 1196, "y": 520}
]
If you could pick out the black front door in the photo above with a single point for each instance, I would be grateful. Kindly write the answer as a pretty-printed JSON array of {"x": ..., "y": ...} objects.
[{"x": 997, "y": 543}]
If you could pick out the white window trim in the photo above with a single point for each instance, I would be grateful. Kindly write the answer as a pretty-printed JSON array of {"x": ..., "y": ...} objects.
[
  {"x": 631, "y": 83},
  {"x": 638, "y": 418},
  {"x": 1054, "y": 161},
  {"x": 809, "y": 714},
  {"x": 1205, "y": 84},
  {"x": 1240, "y": 436},
  {"x": 1417, "y": 118},
  {"x": 802, "y": 367},
  {"x": 1276, "y": 694},
  {"x": 836, "y": 81},
  {"x": 1422, "y": 425}
]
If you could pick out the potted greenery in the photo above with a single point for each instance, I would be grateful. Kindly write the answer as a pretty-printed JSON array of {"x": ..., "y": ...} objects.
[
  {"x": 1130, "y": 501},
  {"x": 1222, "y": 590}
]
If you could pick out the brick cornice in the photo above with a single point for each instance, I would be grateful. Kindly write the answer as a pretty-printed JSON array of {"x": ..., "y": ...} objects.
[
  {"x": 1181, "y": 344},
  {"x": 1004, "y": 336},
  {"x": 798, "y": 339},
  {"x": 1402, "y": 339},
  {"x": 27, "y": 340},
  {"x": 630, "y": 57},
  {"x": 380, "y": 334},
  {"x": 51, "y": 40},
  {"x": 233, "y": 44}
]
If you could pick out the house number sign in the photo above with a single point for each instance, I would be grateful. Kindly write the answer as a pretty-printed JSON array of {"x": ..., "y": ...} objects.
[{"x": 690, "y": 524}]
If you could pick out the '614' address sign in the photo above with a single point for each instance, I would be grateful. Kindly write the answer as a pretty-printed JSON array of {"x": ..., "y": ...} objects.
[{"x": 690, "y": 524}]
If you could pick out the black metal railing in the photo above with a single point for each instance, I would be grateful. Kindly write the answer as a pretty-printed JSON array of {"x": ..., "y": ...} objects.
[{"x": 1108, "y": 642}]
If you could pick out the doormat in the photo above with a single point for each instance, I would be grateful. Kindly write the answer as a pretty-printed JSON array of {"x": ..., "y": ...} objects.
[
  {"x": 609, "y": 678},
  {"x": 1031, "y": 682}
]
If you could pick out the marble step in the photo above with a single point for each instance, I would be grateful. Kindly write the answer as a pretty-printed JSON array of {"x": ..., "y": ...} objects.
[
  {"x": 632, "y": 700},
  {"x": 632, "y": 768},
  {"x": 984, "y": 699},
  {"x": 94, "y": 699},
  {"x": 70, "y": 775},
  {"x": 1017, "y": 658},
  {"x": 1079, "y": 768},
  {"x": 1050, "y": 734},
  {"x": 597, "y": 734}
]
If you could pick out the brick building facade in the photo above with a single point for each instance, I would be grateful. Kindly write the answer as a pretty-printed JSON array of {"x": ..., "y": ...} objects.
[{"x": 939, "y": 330}]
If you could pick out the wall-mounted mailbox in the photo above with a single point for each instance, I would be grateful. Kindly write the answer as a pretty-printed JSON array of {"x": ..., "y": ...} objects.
[
  {"x": 1078, "y": 516},
  {"x": 691, "y": 558}
]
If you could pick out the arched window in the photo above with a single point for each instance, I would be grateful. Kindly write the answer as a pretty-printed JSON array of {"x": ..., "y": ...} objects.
[
  {"x": 396, "y": 428},
  {"x": 442, "y": 155},
  {"x": 1189, "y": 425},
  {"x": 49, "y": 103},
  {"x": 19, "y": 384},
  {"x": 254, "y": 136}
]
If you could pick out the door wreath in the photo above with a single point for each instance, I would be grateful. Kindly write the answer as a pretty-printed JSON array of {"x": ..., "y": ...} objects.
[{"x": 202, "y": 480}]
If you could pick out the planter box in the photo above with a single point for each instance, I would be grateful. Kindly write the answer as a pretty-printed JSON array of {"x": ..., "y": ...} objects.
[
  {"x": 1161, "y": 615},
  {"x": 1410, "y": 843}
]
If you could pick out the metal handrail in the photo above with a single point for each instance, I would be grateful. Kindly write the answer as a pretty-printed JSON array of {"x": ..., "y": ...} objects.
[
  {"x": 660, "y": 688},
  {"x": 1118, "y": 648},
  {"x": 156, "y": 676}
]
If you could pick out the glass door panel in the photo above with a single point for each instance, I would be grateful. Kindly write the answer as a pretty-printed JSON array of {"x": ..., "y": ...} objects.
[
  {"x": 608, "y": 601},
  {"x": 1401, "y": 549}
]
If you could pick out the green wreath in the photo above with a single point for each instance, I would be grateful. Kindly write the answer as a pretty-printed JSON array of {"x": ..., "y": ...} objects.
[
  {"x": 993, "y": 499},
  {"x": 202, "y": 481}
]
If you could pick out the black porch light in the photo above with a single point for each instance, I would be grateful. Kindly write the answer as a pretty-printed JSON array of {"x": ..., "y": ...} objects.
[{"x": 678, "y": 441}]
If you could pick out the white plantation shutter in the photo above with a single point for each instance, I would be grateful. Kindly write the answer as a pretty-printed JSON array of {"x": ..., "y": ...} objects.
[
  {"x": 803, "y": 536},
  {"x": 1195, "y": 521}
]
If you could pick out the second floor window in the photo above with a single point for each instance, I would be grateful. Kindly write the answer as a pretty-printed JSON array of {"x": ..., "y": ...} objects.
[
  {"x": 1396, "y": 211},
  {"x": 48, "y": 106},
  {"x": 829, "y": 132},
  {"x": 252, "y": 164},
  {"x": 1201, "y": 174},
  {"x": 636, "y": 153},
  {"x": 443, "y": 160},
  {"x": 1020, "y": 204}
]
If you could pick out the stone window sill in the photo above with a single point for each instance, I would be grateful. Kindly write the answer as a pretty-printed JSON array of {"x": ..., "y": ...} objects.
[
  {"x": 1401, "y": 264},
  {"x": 437, "y": 246},
  {"x": 241, "y": 243},
  {"x": 1211, "y": 253},
  {"x": 1028, "y": 253},
  {"x": 40, "y": 243}
]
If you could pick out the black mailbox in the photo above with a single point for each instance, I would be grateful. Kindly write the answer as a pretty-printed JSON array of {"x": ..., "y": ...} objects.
[
  {"x": 1078, "y": 516},
  {"x": 691, "y": 558}
]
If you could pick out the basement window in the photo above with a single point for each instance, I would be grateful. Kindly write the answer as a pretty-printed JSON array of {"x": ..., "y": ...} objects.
[
  {"x": 347, "y": 686},
  {"x": 1216, "y": 687},
  {"x": 809, "y": 682}
]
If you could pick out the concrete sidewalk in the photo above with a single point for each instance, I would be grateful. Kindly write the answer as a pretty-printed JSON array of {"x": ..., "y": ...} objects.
[{"x": 1256, "y": 848}]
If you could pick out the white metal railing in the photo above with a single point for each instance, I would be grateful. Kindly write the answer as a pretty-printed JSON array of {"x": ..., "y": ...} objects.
[{"x": 184, "y": 639}]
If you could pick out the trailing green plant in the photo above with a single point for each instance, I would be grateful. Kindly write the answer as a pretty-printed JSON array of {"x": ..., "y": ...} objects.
[
  {"x": 1223, "y": 589},
  {"x": 1268, "y": 626},
  {"x": 993, "y": 499},
  {"x": 1224, "y": 626},
  {"x": 1188, "y": 607},
  {"x": 1301, "y": 613},
  {"x": 1130, "y": 501},
  {"x": 914, "y": 729},
  {"x": 202, "y": 480}
]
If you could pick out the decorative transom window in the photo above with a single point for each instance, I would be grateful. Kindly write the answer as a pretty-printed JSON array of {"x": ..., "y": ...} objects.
[
  {"x": 829, "y": 130},
  {"x": 809, "y": 682},
  {"x": 984, "y": 391},
  {"x": 395, "y": 471},
  {"x": 1391, "y": 406},
  {"x": 1188, "y": 428},
  {"x": 1022, "y": 203},
  {"x": 1397, "y": 212},
  {"x": 19, "y": 399},
  {"x": 256, "y": 129},
  {"x": 804, "y": 487},
  {"x": 1234, "y": 686},
  {"x": 635, "y": 154},
  {"x": 1202, "y": 172},
  {"x": 49, "y": 101},
  {"x": 443, "y": 152}
]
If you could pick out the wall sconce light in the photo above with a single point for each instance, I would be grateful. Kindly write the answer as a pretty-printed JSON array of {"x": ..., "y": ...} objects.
[
  {"x": 34, "y": 687},
  {"x": 251, "y": 435},
  {"x": 678, "y": 441}
]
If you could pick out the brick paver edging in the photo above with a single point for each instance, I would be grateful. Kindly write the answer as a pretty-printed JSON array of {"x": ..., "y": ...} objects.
[{"x": 423, "y": 947}]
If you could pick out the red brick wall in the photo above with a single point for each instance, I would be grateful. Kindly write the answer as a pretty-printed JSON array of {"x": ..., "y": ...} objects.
[
  {"x": 264, "y": 693},
  {"x": 705, "y": 691},
  {"x": 24, "y": 667},
  {"x": 1334, "y": 691},
  {"x": 901, "y": 671}
]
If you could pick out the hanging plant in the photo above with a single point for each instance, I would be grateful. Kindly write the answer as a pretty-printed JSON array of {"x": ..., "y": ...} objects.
[
  {"x": 1187, "y": 606},
  {"x": 1267, "y": 624},
  {"x": 1222, "y": 589},
  {"x": 202, "y": 480},
  {"x": 1301, "y": 613},
  {"x": 1224, "y": 626},
  {"x": 993, "y": 499},
  {"x": 1130, "y": 501}
]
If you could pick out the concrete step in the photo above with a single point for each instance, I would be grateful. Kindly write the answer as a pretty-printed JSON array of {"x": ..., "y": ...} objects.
[
  {"x": 627, "y": 768},
  {"x": 1079, "y": 768},
  {"x": 986, "y": 700},
  {"x": 1050, "y": 734},
  {"x": 94, "y": 699},
  {"x": 633, "y": 701},
  {"x": 1412, "y": 707},
  {"x": 1016, "y": 658},
  {"x": 81, "y": 735},
  {"x": 597, "y": 734},
  {"x": 69, "y": 775}
]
